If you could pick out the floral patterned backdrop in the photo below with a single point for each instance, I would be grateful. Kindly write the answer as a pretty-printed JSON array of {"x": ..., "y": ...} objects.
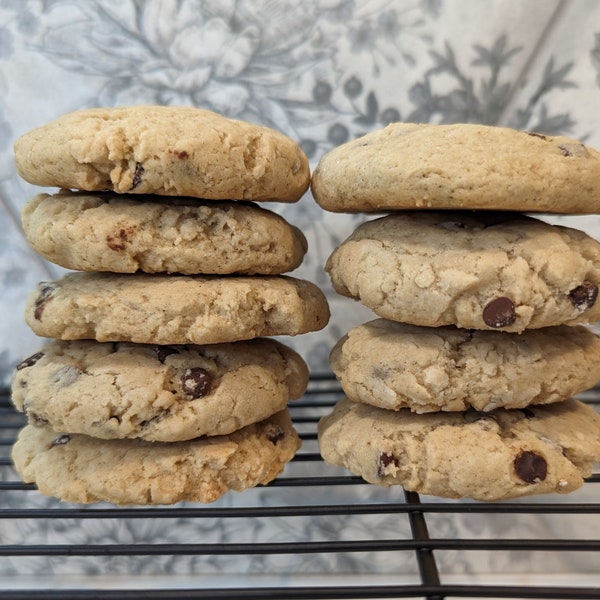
[{"x": 322, "y": 71}]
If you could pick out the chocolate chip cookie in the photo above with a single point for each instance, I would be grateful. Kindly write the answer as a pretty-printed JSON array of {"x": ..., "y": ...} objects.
[
  {"x": 83, "y": 469},
  {"x": 165, "y": 150},
  {"x": 459, "y": 166},
  {"x": 426, "y": 369},
  {"x": 125, "y": 234},
  {"x": 485, "y": 456},
  {"x": 175, "y": 309},
  {"x": 478, "y": 270},
  {"x": 157, "y": 393}
]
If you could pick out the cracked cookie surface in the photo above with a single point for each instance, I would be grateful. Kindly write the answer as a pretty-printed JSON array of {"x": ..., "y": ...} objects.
[
  {"x": 83, "y": 469},
  {"x": 165, "y": 150},
  {"x": 500, "y": 271},
  {"x": 175, "y": 309},
  {"x": 395, "y": 365},
  {"x": 108, "y": 232},
  {"x": 484, "y": 456},
  {"x": 458, "y": 166},
  {"x": 157, "y": 393}
]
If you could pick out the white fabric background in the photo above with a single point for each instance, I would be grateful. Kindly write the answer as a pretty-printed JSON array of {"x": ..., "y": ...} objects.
[{"x": 322, "y": 71}]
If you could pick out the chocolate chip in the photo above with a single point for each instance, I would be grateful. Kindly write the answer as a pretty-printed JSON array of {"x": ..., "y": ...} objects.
[
  {"x": 163, "y": 351},
  {"x": 530, "y": 467},
  {"x": 499, "y": 312},
  {"x": 275, "y": 433},
  {"x": 196, "y": 382},
  {"x": 43, "y": 298},
  {"x": 29, "y": 362},
  {"x": 118, "y": 242},
  {"x": 61, "y": 440},
  {"x": 584, "y": 296},
  {"x": 385, "y": 460},
  {"x": 137, "y": 175},
  {"x": 180, "y": 154}
]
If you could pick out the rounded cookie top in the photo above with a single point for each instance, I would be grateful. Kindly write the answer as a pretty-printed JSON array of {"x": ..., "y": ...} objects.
[
  {"x": 157, "y": 393},
  {"x": 174, "y": 309},
  {"x": 166, "y": 150},
  {"x": 83, "y": 469},
  {"x": 485, "y": 456},
  {"x": 474, "y": 270},
  {"x": 121, "y": 234},
  {"x": 426, "y": 369},
  {"x": 461, "y": 166}
]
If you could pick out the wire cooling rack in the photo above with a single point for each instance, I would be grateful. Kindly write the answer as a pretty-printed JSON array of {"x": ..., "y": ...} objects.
[{"x": 416, "y": 537}]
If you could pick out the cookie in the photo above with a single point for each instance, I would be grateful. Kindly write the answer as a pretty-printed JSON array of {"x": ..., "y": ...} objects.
[
  {"x": 79, "y": 468},
  {"x": 484, "y": 456},
  {"x": 165, "y": 150},
  {"x": 461, "y": 166},
  {"x": 124, "y": 234},
  {"x": 174, "y": 309},
  {"x": 426, "y": 369},
  {"x": 157, "y": 393},
  {"x": 474, "y": 270}
]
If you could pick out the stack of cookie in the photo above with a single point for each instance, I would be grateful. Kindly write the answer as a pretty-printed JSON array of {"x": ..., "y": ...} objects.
[
  {"x": 161, "y": 383},
  {"x": 463, "y": 386}
]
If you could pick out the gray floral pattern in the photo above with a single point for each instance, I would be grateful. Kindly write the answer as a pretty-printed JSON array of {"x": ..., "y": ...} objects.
[{"x": 323, "y": 72}]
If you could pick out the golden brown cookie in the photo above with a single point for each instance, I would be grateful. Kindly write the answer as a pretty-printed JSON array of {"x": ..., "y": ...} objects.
[
  {"x": 125, "y": 234},
  {"x": 157, "y": 393},
  {"x": 485, "y": 456},
  {"x": 475, "y": 270},
  {"x": 426, "y": 369},
  {"x": 175, "y": 309},
  {"x": 83, "y": 469},
  {"x": 460, "y": 166},
  {"x": 165, "y": 150}
]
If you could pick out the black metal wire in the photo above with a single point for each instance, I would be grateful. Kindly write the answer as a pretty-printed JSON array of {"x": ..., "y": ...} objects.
[
  {"x": 425, "y": 558},
  {"x": 322, "y": 393},
  {"x": 319, "y": 593}
]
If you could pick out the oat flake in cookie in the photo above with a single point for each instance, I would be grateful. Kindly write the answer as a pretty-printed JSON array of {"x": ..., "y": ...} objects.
[
  {"x": 395, "y": 365},
  {"x": 459, "y": 166},
  {"x": 497, "y": 271},
  {"x": 157, "y": 393},
  {"x": 165, "y": 150},
  {"x": 83, "y": 469},
  {"x": 538, "y": 450}
]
